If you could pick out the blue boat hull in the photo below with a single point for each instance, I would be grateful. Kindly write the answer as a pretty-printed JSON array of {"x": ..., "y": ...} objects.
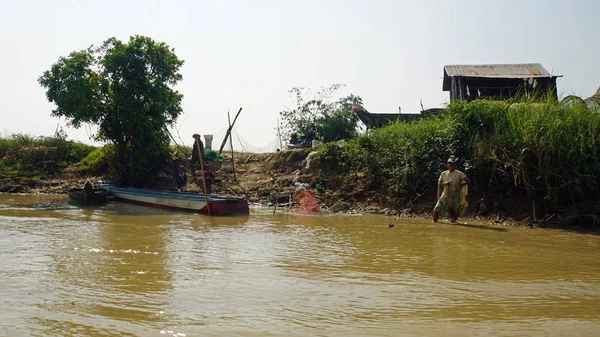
[{"x": 218, "y": 204}]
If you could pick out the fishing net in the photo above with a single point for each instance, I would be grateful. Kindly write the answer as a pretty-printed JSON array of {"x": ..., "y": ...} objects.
[
  {"x": 306, "y": 202},
  {"x": 210, "y": 155}
]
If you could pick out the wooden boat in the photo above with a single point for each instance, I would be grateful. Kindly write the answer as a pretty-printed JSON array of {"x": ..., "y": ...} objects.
[
  {"x": 195, "y": 202},
  {"x": 81, "y": 196}
]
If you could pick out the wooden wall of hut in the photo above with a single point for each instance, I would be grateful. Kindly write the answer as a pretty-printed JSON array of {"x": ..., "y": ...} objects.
[{"x": 472, "y": 88}]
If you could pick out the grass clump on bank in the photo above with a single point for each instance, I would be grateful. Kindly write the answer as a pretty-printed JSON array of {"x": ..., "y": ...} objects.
[
  {"x": 23, "y": 156},
  {"x": 544, "y": 151}
]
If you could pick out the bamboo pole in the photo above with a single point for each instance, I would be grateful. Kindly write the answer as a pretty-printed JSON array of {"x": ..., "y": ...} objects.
[
  {"x": 227, "y": 133},
  {"x": 196, "y": 138},
  {"x": 231, "y": 143},
  {"x": 279, "y": 132}
]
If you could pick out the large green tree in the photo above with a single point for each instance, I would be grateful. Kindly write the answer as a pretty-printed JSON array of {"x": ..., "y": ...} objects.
[
  {"x": 126, "y": 89},
  {"x": 333, "y": 119}
]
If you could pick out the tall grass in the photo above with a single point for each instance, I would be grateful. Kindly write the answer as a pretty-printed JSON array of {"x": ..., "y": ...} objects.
[
  {"x": 25, "y": 155},
  {"x": 546, "y": 151}
]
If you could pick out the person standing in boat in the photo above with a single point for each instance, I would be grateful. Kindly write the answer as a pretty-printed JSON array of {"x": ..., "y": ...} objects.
[
  {"x": 209, "y": 179},
  {"x": 450, "y": 183},
  {"x": 196, "y": 156},
  {"x": 179, "y": 177},
  {"x": 198, "y": 144}
]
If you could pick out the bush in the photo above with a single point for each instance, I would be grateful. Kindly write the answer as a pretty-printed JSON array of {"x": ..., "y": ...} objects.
[
  {"x": 340, "y": 124},
  {"x": 97, "y": 161}
]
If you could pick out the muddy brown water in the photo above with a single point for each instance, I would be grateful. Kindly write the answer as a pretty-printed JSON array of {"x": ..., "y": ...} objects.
[{"x": 126, "y": 270}]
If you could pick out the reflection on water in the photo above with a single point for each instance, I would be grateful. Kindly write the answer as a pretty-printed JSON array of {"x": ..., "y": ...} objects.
[{"x": 126, "y": 270}]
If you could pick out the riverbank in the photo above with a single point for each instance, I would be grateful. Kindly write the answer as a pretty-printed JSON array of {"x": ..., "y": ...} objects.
[
  {"x": 267, "y": 179},
  {"x": 533, "y": 163}
]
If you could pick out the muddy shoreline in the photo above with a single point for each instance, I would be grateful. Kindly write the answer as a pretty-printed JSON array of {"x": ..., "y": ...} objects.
[{"x": 62, "y": 185}]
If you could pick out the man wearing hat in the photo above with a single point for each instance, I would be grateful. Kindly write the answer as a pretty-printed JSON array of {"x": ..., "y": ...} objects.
[
  {"x": 451, "y": 182},
  {"x": 197, "y": 154}
]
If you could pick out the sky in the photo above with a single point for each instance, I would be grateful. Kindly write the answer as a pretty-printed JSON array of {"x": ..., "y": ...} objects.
[{"x": 249, "y": 54}]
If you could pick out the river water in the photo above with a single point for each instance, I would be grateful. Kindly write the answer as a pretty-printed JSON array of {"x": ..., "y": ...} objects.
[{"x": 126, "y": 270}]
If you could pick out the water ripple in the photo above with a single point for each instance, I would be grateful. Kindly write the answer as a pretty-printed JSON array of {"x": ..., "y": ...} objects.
[{"x": 117, "y": 270}]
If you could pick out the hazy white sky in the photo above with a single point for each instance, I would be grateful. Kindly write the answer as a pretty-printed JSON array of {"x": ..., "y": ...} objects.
[{"x": 250, "y": 53}]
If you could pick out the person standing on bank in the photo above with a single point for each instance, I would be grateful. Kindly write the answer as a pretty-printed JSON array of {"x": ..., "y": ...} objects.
[{"x": 451, "y": 180}]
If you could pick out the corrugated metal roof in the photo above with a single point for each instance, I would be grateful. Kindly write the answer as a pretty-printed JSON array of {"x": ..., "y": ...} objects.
[
  {"x": 497, "y": 70},
  {"x": 526, "y": 70}
]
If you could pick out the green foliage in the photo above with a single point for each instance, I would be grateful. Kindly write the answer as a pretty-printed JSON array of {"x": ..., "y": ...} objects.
[
  {"x": 15, "y": 142},
  {"x": 25, "y": 156},
  {"x": 125, "y": 89},
  {"x": 403, "y": 158},
  {"x": 547, "y": 150},
  {"x": 98, "y": 161},
  {"x": 333, "y": 119},
  {"x": 180, "y": 152},
  {"x": 68, "y": 151},
  {"x": 329, "y": 155},
  {"x": 340, "y": 124},
  {"x": 298, "y": 154}
]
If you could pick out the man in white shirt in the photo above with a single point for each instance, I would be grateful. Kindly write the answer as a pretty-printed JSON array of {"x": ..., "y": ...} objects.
[{"x": 451, "y": 180}]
